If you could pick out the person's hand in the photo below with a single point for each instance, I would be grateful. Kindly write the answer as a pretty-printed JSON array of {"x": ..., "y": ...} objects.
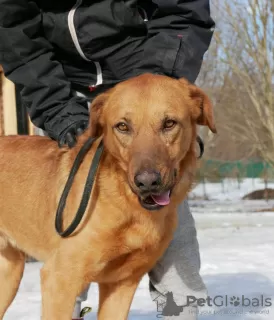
[{"x": 69, "y": 136}]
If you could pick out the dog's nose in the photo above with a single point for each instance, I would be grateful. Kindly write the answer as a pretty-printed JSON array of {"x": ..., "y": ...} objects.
[{"x": 147, "y": 180}]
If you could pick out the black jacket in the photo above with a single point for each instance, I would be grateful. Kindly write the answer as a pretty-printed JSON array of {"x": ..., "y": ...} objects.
[{"x": 51, "y": 47}]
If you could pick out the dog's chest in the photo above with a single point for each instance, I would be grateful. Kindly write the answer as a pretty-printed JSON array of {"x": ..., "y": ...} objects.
[{"x": 135, "y": 250}]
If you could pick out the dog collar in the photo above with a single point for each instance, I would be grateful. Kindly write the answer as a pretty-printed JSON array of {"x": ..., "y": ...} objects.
[{"x": 201, "y": 145}]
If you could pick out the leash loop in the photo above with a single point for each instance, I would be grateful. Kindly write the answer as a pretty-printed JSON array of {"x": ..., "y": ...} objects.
[{"x": 87, "y": 189}]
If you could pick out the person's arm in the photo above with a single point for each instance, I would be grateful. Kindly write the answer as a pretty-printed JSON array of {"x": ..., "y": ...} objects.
[
  {"x": 180, "y": 32},
  {"x": 28, "y": 60}
]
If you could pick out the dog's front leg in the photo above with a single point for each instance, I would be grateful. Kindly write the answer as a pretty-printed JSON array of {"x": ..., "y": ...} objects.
[
  {"x": 61, "y": 282},
  {"x": 115, "y": 299}
]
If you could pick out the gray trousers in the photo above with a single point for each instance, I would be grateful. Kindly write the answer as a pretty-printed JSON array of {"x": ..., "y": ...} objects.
[{"x": 176, "y": 273}]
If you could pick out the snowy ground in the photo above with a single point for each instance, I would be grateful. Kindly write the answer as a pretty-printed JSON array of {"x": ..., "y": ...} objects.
[
  {"x": 236, "y": 245},
  {"x": 229, "y": 189}
]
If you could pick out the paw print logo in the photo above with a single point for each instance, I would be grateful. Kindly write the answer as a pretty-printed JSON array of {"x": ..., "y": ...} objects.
[{"x": 235, "y": 301}]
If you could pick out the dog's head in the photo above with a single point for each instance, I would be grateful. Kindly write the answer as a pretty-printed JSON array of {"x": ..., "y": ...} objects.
[{"x": 149, "y": 127}]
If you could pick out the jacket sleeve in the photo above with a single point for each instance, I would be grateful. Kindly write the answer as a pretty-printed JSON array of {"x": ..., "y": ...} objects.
[
  {"x": 28, "y": 60},
  {"x": 180, "y": 32}
]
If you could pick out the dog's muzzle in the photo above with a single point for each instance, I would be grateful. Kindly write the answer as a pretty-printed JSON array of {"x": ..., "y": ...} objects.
[{"x": 151, "y": 194}]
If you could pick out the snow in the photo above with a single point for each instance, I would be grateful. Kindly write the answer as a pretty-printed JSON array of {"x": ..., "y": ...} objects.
[
  {"x": 236, "y": 244},
  {"x": 229, "y": 189}
]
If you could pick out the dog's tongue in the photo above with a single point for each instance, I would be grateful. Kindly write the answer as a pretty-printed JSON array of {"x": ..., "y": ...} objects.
[{"x": 162, "y": 199}]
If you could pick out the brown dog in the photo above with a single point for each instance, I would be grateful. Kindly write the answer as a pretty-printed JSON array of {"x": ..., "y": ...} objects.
[{"x": 148, "y": 125}]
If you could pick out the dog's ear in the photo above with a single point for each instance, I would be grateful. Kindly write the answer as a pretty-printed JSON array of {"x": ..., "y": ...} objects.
[
  {"x": 96, "y": 110},
  {"x": 203, "y": 110}
]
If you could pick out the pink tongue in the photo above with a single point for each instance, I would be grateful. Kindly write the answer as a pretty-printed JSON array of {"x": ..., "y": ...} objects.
[{"x": 162, "y": 199}]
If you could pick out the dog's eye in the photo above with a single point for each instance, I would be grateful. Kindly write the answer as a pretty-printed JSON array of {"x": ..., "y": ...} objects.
[
  {"x": 122, "y": 127},
  {"x": 169, "y": 124}
]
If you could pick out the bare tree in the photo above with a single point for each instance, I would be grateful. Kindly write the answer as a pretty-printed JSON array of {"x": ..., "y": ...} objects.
[{"x": 246, "y": 48}]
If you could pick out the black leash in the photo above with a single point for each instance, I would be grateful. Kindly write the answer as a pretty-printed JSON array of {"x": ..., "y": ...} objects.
[
  {"x": 201, "y": 145},
  {"x": 87, "y": 190}
]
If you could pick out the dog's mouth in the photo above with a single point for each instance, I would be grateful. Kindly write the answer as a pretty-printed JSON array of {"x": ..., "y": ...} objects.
[{"x": 155, "y": 201}]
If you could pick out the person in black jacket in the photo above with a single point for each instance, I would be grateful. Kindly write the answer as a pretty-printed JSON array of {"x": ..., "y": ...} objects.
[{"x": 61, "y": 53}]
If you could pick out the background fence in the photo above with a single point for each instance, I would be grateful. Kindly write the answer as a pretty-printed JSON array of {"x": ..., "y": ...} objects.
[
  {"x": 225, "y": 174},
  {"x": 215, "y": 170}
]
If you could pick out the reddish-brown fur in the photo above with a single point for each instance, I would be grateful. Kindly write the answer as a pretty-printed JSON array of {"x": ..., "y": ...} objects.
[{"x": 118, "y": 240}]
